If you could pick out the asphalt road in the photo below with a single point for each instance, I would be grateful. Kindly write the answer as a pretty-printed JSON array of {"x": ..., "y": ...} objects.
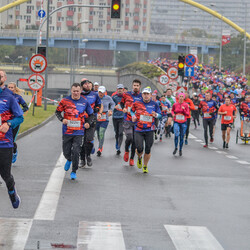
[{"x": 198, "y": 201}]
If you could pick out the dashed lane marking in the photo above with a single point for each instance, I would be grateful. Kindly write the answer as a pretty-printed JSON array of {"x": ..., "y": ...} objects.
[
  {"x": 46, "y": 209},
  {"x": 244, "y": 162},
  {"x": 232, "y": 157},
  {"x": 199, "y": 140},
  {"x": 190, "y": 237},
  {"x": 213, "y": 148},
  {"x": 191, "y": 136},
  {"x": 221, "y": 152}
]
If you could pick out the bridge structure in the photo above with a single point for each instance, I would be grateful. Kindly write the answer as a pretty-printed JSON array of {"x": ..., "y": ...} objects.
[{"x": 112, "y": 41}]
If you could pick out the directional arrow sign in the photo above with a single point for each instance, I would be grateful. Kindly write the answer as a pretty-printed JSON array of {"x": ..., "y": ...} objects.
[
  {"x": 41, "y": 13},
  {"x": 189, "y": 71}
]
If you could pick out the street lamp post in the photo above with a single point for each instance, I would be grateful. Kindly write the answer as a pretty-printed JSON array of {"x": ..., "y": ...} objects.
[
  {"x": 245, "y": 42},
  {"x": 13, "y": 61},
  {"x": 72, "y": 59}
]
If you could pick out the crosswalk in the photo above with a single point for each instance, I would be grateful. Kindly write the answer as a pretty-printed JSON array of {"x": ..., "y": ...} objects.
[{"x": 14, "y": 234}]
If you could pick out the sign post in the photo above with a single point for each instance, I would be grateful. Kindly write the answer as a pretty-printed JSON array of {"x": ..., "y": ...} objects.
[{"x": 163, "y": 79}]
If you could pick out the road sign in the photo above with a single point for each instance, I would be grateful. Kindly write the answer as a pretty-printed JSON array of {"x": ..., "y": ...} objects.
[
  {"x": 41, "y": 13},
  {"x": 190, "y": 60},
  {"x": 172, "y": 85},
  {"x": 181, "y": 89},
  {"x": 163, "y": 79},
  {"x": 172, "y": 72},
  {"x": 36, "y": 82},
  {"x": 189, "y": 71},
  {"x": 38, "y": 63}
]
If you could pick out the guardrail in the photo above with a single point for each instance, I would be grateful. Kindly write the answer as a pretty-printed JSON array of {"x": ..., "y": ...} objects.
[{"x": 113, "y": 36}]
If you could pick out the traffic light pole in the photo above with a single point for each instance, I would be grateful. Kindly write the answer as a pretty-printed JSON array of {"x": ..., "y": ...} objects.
[{"x": 46, "y": 71}]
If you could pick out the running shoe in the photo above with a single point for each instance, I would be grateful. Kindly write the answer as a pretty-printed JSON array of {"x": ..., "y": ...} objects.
[
  {"x": 186, "y": 142},
  {"x": 14, "y": 157},
  {"x": 180, "y": 153},
  {"x": 175, "y": 151},
  {"x": 82, "y": 163},
  {"x": 145, "y": 169},
  {"x": 126, "y": 156},
  {"x": 118, "y": 152},
  {"x": 99, "y": 152},
  {"x": 73, "y": 176},
  {"x": 224, "y": 144},
  {"x": 205, "y": 146},
  {"x": 160, "y": 138},
  {"x": 117, "y": 146},
  {"x": 131, "y": 162},
  {"x": 14, "y": 198},
  {"x": 139, "y": 163},
  {"x": 156, "y": 137},
  {"x": 67, "y": 165},
  {"x": 89, "y": 161},
  {"x": 211, "y": 139}
]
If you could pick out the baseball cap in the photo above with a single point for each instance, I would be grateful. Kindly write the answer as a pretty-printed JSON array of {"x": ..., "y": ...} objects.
[
  {"x": 102, "y": 89},
  {"x": 96, "y": 83},
  {"x": 147, "y": 90},
  {"x": 120, "y": 86}
]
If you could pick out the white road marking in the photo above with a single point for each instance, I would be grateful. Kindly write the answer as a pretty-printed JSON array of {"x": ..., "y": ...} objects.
[
  {"x": 244, "y": 162},
  {"x": 232, "y": 157},
  {"x": 221, "y": 152},
  {"x": 14, "y": 233},
  {"x": 191, "y": 136},
  {"x": 212, "y": 148},
  {"x": 202, "y": 143},
  {"x": 190, "y": 237},
  {"x": 46, "y": 209},
  {"x": 99, "y": 236},
  {"x": 199, "y": 140}
]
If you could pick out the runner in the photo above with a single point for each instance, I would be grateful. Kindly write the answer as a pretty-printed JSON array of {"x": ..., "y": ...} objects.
[
  {"x": 195, "y": 113},
  {"x": 172, "y": 100},
  {"x": 191, "y": 107},
  {"x": 228, "y": 112},
  {"x": 103, "y": 121},
  {"x": 208, "y": 107},
  {"x": 144, "y": 113},
  {"x": 96, "y": 86},
  {"x": 118, "y": 118},
  {"x": 166, "y": 118},
  {"x": 126, "y": 103},
  {"x": 16, "y": 91},
  {"x": 245, "y": 107},
  {"x": 180, "y": 112},
  {"x": 76, "y": 109},
  {"x": 11, "y": 116},
  {"x": 96, "y": 104}
]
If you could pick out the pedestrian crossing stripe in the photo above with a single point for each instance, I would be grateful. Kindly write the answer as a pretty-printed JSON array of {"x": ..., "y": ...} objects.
[{"x": 107, "y": 235}]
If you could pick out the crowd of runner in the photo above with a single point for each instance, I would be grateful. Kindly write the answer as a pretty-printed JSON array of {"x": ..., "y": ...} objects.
[{"x": 138, "y": 114}]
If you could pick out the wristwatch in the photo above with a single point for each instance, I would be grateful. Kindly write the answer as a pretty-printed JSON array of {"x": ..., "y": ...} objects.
[{"x": 9, "y": 124}]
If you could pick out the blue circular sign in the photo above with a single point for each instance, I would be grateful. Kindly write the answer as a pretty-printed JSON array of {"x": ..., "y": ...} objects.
[
  {"x": 190, "y": 60},
  {"x": 41, "y": 13}
]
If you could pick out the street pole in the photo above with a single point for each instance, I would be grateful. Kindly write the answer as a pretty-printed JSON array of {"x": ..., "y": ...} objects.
[
  {"x": 245, "y": 42},
  {"x": 220, "y": 48},
  {"x": 47, "y": 54},
  {"x": 71, "y": 58}
]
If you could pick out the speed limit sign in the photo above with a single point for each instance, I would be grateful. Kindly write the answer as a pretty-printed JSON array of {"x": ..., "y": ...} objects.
[{"x": 163, "y": 79}]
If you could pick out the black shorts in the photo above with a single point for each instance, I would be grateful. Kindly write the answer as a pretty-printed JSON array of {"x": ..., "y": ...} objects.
[
  {"x": 170, "y": 115},
  {"x": 225, "y": 126}
]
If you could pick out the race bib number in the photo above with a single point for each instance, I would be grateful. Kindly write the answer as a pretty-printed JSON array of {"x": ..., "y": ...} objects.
[
  {"x": 227, "y": 118},
  {"x": 196, "y": 107},
  {"x": 146, "y": 118},
  {"x": 207, "y": 115},
  {"x": 180, "y": 117},
  {"x": 129, "y": 109},
  {"x": 103, "y": 118},
  {"x": 164, "y": 108},
  {"x": 0, "y": 120},
  {"x": 74, "y": 124}
]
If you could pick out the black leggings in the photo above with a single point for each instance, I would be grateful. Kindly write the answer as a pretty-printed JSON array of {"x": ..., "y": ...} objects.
[
  {"x": 5, "y": 167},
  {"x": 88, "y": 141},
  {"x": 140, "y": 137},
  {"x": 118, "y": 127},
  {"x": 208, "y": 123},
  {"x": 15, "y": 133},
  {"x": 71, "y": 149},
  {"x": 188, "y": 125}
]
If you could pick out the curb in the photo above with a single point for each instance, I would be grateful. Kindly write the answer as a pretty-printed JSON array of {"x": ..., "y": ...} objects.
[{"x": 27, "y": 132}]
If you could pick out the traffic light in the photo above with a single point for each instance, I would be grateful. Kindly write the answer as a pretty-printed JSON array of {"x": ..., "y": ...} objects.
[
  {"x": 41, "y": 50},
  {"x": 181, "y": 64},
  {"x": 115, "y": 8}
]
